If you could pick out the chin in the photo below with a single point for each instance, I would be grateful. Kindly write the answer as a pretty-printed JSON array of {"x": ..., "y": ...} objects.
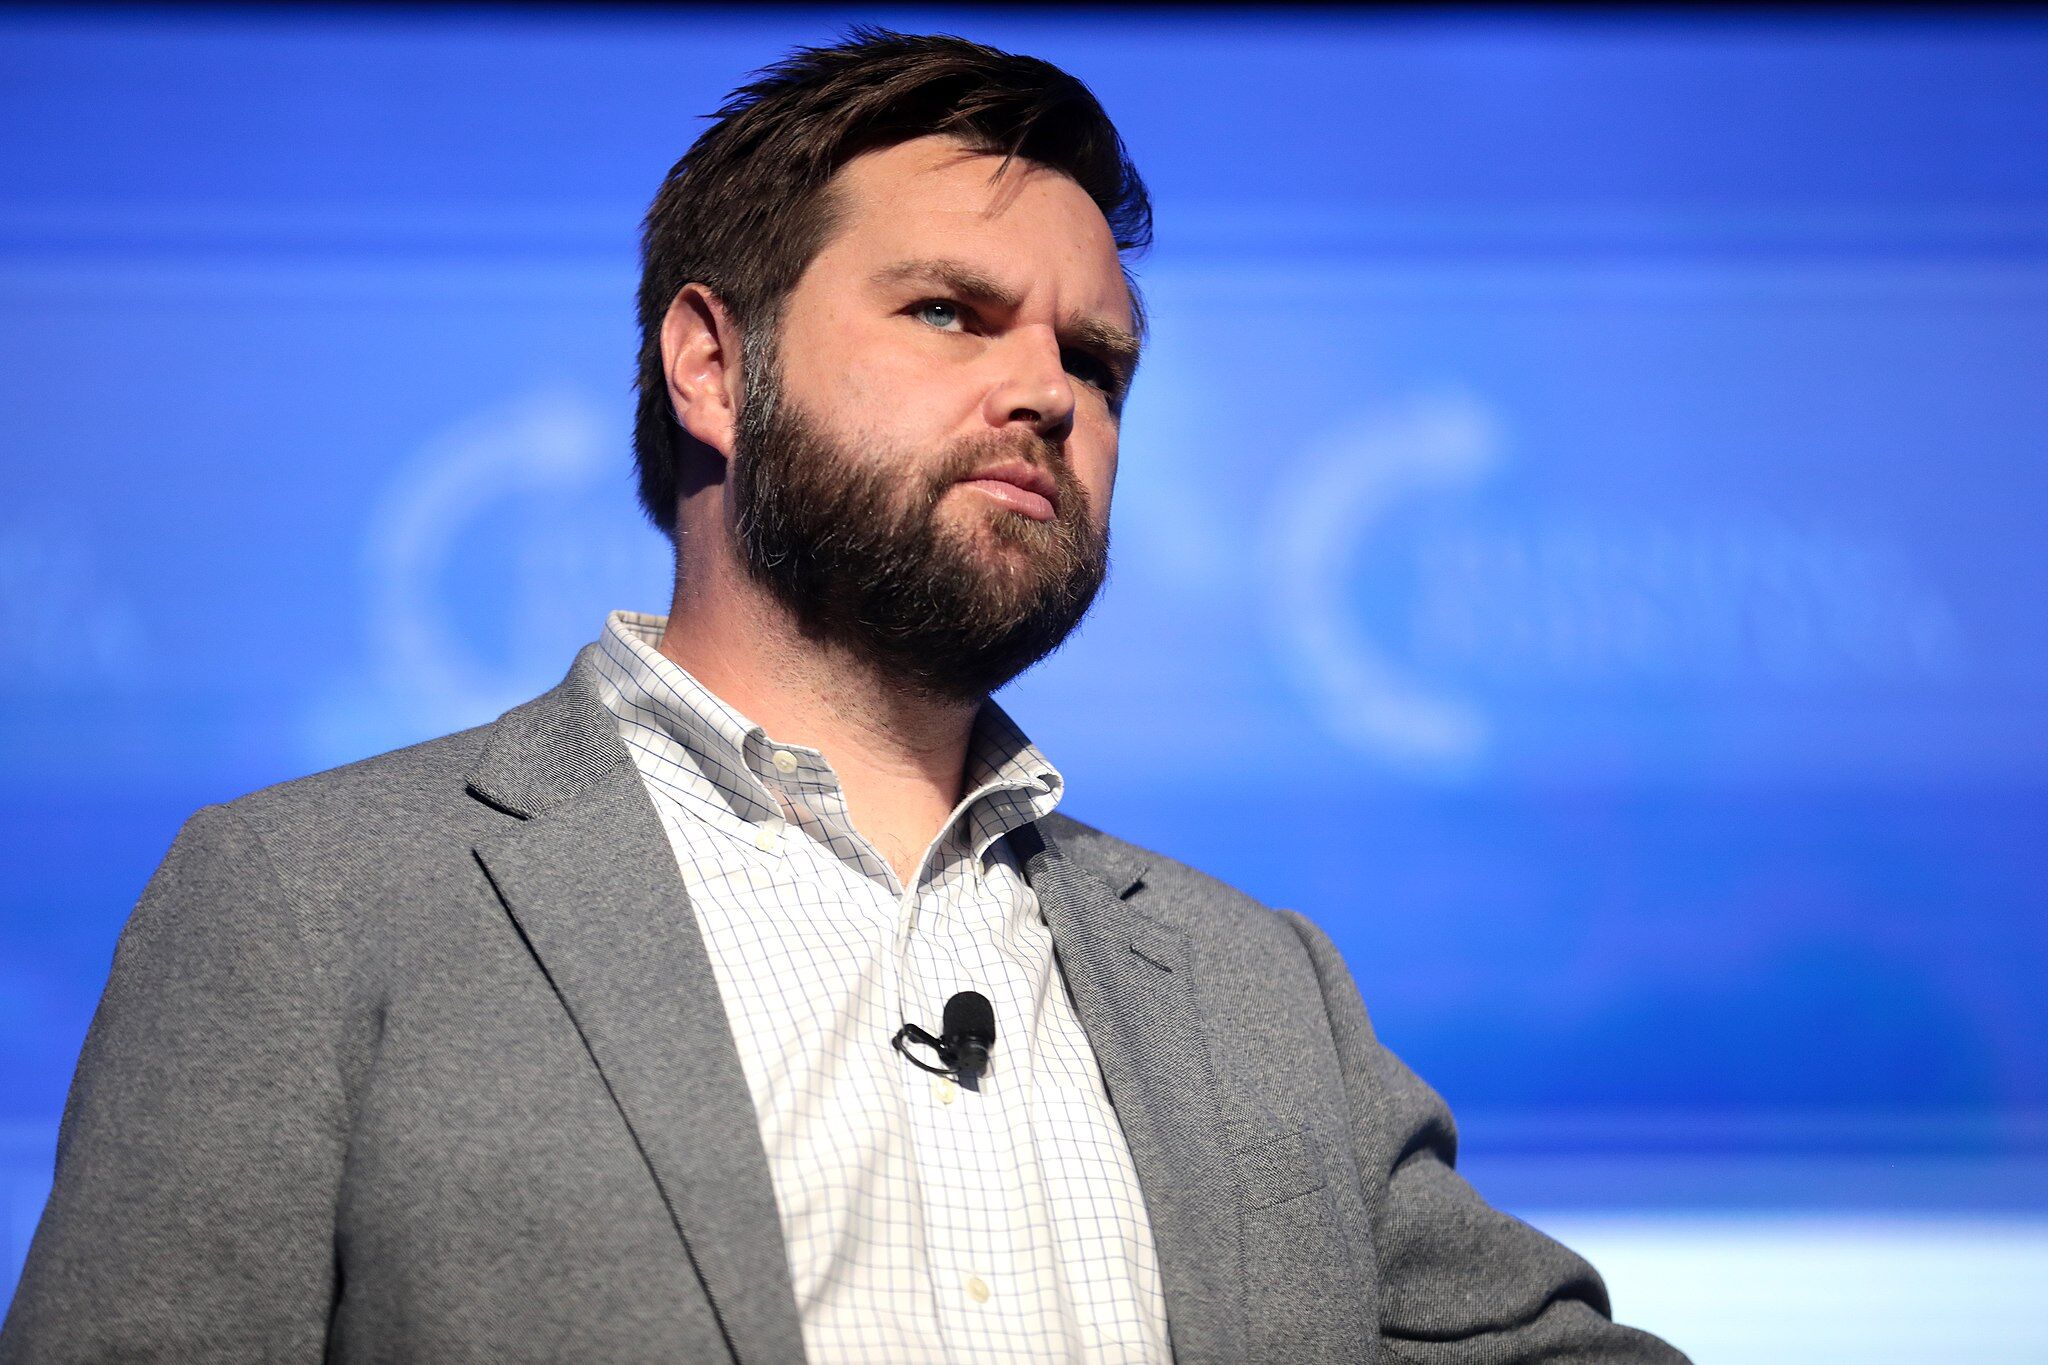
[{"x": 1012, "y": 553}]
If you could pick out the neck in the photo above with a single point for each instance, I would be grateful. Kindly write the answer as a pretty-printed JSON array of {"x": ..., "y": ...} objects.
[{"x": 900, "y": 754}]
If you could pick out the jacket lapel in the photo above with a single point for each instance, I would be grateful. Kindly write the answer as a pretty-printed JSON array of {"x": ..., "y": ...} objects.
[
  {"x": 590, "y": 881},
  {"x": 1132, "y": 981}
]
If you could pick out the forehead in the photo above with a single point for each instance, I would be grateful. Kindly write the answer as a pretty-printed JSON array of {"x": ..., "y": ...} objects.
[{"x": 1031, "y": 227}]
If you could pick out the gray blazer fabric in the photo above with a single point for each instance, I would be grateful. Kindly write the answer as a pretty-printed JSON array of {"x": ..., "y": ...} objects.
[{"x": 422, "y": 1058}]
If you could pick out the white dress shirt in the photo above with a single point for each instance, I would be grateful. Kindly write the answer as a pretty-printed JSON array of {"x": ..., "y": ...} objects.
[{"x": 923, "y": 1221}]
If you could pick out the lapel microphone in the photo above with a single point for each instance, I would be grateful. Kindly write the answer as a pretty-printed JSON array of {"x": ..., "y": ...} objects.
[{"x": 966, "y": 1035}]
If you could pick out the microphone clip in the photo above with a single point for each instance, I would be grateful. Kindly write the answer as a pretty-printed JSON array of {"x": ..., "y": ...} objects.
[{"x": 962, "y": 1046}]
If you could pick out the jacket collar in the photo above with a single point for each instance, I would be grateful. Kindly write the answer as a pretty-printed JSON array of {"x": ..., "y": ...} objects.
[
  {"x": 1133, "y": 975},
  {"x": 551, "y": 750}
]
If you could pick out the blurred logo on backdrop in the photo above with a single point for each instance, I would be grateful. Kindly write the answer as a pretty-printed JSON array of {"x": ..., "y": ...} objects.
[
  {"x": 489, "y": 558},
  {"x": 1425, "y": 616}
]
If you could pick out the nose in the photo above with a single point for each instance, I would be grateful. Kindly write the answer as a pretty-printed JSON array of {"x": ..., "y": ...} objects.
[{"x": 1031, "y": 385}]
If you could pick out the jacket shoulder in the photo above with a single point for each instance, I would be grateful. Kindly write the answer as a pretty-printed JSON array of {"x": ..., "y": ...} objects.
[
  {"x": 428, "y": 778},
  {"x": 386, "y": 821}
]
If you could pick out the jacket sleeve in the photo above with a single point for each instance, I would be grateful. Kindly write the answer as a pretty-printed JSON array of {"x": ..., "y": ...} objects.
[
  {"x": 1460, "y": 1283},
  {"x": 192, "y": 1214}
]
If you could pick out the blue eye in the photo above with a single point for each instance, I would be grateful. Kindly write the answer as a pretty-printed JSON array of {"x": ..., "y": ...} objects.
[{"x": 939, "y": 313}]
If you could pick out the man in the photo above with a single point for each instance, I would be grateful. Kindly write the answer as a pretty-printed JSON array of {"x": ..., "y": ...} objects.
[{"x": 570, "y": 1037}]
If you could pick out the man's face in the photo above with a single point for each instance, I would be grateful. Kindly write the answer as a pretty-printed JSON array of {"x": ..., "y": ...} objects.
[{"x": 923, "y": 469}]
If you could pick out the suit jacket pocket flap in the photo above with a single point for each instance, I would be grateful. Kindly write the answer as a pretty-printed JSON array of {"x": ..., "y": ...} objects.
[{"x": 1274, "y": 1172}]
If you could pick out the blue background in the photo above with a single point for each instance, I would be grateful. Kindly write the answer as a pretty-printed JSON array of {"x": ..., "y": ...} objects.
[{"x": 1579, "y": 535}]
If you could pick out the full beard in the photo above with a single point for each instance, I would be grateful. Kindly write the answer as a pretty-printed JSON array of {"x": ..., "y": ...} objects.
[{"x": 852, "y": 542}]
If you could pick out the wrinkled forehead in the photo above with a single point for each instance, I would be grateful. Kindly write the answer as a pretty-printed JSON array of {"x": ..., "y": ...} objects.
[{"x": 1021, "y": 222}]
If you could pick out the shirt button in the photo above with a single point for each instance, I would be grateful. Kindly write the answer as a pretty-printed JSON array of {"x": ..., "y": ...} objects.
[
  {"x": 768, "y": 837},
  {"x": 944, "y": 1090},
  {"x": 977, "y": 1289},
  {"x": 785, "y": 762}
]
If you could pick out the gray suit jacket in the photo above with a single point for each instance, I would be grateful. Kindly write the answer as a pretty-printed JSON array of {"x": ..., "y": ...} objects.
[{"x": 423, "y": 1059}]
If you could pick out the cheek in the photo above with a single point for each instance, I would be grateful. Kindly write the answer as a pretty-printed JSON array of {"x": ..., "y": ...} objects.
[
  {"x": 890, "y": 391},
  {"x": 826, "y": 375},
  {"x": 1094, "y": 464},
  {"x": 834, "y": 361}
]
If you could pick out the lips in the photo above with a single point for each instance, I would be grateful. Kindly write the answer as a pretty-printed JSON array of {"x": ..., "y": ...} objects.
[{"x": 1020, "y": 486}]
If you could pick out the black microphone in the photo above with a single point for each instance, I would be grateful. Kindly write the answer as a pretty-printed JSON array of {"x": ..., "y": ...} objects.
[{"x": 966, "y": 1036}]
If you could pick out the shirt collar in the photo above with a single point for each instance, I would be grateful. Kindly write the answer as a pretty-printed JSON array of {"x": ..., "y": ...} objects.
[
  {"x": 648, "y": 691},
  {"x": 1007, "y": 781}
]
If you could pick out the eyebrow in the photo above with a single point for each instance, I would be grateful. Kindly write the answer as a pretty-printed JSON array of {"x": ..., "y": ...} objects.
[{"x": 1116, "y": 346}]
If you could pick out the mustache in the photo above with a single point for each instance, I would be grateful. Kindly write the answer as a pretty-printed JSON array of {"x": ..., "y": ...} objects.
[{"x": 976, "y": 453}]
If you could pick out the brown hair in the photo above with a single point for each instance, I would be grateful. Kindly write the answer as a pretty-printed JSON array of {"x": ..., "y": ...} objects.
[{"x": 747, "y": 208}]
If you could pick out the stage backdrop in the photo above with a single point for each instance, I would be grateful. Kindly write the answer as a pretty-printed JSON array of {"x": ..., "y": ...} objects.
[{"x": 1580, "y": 532}]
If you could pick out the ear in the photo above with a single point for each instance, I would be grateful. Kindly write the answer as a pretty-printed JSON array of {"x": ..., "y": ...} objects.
[{"x": 700, "y": 356}]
